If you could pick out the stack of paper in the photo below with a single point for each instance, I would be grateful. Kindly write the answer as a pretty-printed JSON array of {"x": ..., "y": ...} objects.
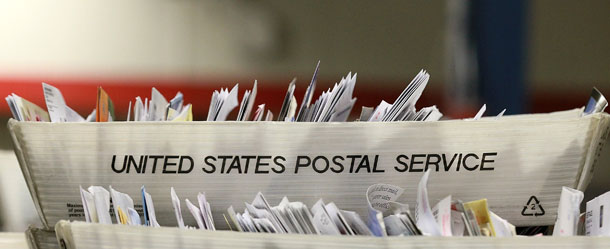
[
  {"x": 289, "y": 104},
  {"x": 333, "y": 105},
  {"x": 404, "y": 106},
  {"x": 296, "y": 218},
  {"x": 96, "y": 206},
  {"x": 448, "y": 217},
  {"x": 387, "y": 217},
  {"x": 203, "y": 214},
  {"x": 159, "y": 109},
  {"x": 222, "y": 104},
  {"x": 247, "y": 102},
  {"x": 24, "y": 110},
  {"x": 308, "y": 95}
]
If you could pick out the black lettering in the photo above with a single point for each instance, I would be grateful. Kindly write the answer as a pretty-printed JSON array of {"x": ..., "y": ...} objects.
[
  {"x": 143, "y": 160},
  {"x": 166, "y": 164},
  {"x": 115, "y": 169},
  {"x": 191, "y": 165},
  {"x": 326, "y": 164},
  {"x": 155, "y": 162},
  {"x": 375, "y": 170},
  {"x": 485, "y": 160},
  {"x": 247, "y": 162},
  {"x": 337, "y": 163},
  {"x": 414, "y": 162},
  {"x": 125, "y": 164},
  {"x": 448, "y": 166},
  {"x": 433, "y": 162},
  {"x": 132, "y": 161},
  {"x": 235, "y": 165},
  {"x": 466, "y": 158},
  {"x": 207, "y": 161},
  {"x": 399, "y": 161},
  {"x": 353, "y": 162},
  {"x": 280, "y": 165},
  {"x": 299, "y": 164},
  {"x": 224, "y": 161},
  {"x": 260, "y": 164},
  {"x": 364, "y": 163}
]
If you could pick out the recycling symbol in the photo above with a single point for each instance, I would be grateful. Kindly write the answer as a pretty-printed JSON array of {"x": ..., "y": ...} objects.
[{"x": 533, "y": 208}]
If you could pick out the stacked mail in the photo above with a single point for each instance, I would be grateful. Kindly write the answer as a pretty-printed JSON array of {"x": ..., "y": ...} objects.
[
  {"x": 333, "y": 105},
  {"x": 386, "y": 216}
]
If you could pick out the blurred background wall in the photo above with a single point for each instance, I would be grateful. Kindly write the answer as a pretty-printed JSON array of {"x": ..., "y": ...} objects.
[
  {"x": 204, "y": 45},
  {"x": 550, "y": 53}
]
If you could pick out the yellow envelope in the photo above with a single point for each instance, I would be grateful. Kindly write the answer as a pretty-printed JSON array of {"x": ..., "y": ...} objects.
[{"x": 481, "y": 211}]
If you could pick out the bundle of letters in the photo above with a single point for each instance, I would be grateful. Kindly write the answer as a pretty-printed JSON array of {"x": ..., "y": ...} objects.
[
  {"x": 386, "y": 216},
  {"x": 333, "y": 105}
]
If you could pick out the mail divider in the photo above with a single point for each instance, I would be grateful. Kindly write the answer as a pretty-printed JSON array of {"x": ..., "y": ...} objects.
[{"x": 519, "y": 163}]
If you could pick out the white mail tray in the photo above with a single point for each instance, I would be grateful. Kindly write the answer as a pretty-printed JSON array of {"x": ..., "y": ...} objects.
[{"x": 519, "y": 163}]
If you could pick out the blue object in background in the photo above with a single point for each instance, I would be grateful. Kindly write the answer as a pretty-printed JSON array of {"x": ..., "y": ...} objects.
[{"x": 499, "y": 31}]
